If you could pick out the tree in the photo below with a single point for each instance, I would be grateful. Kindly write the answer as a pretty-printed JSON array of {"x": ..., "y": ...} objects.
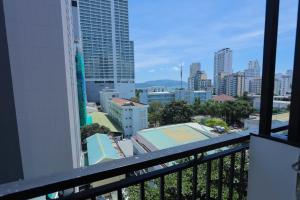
[
  {"x": 89, "y": 130},
  {"x": 152, "y": 186},
  {"x": 176, "y": 112},
  {"x": 212, "y": 122},
  {"x": 198, "y": 108},
  {"x": 154, "y": 113}
]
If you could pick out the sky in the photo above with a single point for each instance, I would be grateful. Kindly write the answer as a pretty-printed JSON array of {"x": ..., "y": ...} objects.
[{"x": 167, "y": 33}]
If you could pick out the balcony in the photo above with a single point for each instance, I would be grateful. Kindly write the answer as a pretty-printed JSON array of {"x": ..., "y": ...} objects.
[{"x": 216, "y": 168}]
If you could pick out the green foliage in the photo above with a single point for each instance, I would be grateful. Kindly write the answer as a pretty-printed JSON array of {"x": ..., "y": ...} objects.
[
  {"x": 231, "y": 111},
  {"x": 135, "y": 99},
  {"x": 89, "y": 130},
  {"x": 176, "y": 112},
  {"x": 152, "y": 187},
  {"x": 154, "y": 113},
  {"x": 137, "y": 95},
  {"x": 212, "y": 122}
]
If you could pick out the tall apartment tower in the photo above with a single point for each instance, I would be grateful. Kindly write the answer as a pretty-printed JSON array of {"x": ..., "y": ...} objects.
[
  {"x": 234, "y": 84},
  {"x": 252, "y": 72},
  {"x": 39, "y": 107},
  {"x": 194, "y": 68},
  {"x": 108, "y": 52},
  {"x": 222, "y": 65}
]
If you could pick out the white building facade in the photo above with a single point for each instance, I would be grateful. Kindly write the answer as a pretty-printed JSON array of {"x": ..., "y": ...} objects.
[
  {"x": 106, "y": 95},
  {"x": 233, "y": 84},
  {"x": 108, "y": 52},
  {"x": 131, "y": 116},
  {"x": 188, "y": 96}
]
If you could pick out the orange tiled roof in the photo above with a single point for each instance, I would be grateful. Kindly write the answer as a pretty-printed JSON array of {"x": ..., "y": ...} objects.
[
  {"x": 122, "y": 102},
  {"x": 223, "y": 97}
]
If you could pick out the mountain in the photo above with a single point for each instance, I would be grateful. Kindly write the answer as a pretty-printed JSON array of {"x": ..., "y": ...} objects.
[{"x": 163, "y": 83}]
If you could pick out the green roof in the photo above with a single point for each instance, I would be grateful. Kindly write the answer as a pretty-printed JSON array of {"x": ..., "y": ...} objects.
[
  {"x": 104, "y": 120},
  {"x": 100, "y": 149},
  {"x": 174, "y": 135}
]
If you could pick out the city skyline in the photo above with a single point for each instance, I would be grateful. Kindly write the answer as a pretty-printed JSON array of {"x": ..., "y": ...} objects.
[{"x": 196, "y": 36}]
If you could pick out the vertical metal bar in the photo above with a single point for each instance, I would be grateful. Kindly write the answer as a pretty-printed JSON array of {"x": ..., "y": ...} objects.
[
  {"x": 162, "y": 188},
  {"x": 208, "y": 179},
  {"x": 120, "y": 196},
  {"x": 269, "y": 61},
  {"x": 142, "y": 191},
  {"x": 194, "y": 181},
  {"x": 231, "y": 176},
  {"x": 179, "y": 185},
  {"x": 241, "y": 185},
  {"x": 294, "y": 123},
  {"x": 220, "y": 178}
]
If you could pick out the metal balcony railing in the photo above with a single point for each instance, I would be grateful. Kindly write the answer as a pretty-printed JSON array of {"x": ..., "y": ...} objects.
[{"x": 209, "y": 169}]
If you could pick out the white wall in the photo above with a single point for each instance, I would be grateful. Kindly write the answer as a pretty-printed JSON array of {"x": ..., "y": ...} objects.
[{"x": 271, "y": 176}]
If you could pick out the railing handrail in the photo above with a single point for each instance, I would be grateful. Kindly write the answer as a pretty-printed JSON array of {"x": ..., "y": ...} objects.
[{"x": 86, "y": 175}]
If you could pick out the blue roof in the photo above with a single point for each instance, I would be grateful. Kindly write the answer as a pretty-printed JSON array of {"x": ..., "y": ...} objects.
[{"x": 100, "y": 149}]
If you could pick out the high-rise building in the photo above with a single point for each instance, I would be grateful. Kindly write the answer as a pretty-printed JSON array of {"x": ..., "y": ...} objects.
[
  {"x": 40, "y": 129},
  {"x": 252, "y": 72},
  {"x": 234, "y": 84},
  {"x": 255, "y": 86},
  {"x": 284, "y": 83},
  {"x": 222, "y": 64},
  {"x": 194, "y": 68},
  {"x": 108, "y": 52},
  {"x": 201, "y": 82}
]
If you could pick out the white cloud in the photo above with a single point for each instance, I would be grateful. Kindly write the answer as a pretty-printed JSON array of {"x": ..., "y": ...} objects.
[{"x": 176, "y": 68}]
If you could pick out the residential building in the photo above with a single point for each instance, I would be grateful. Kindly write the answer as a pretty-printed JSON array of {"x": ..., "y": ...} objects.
[
  {"x": 234, "y": 84},
  {"x": 131, "y": 116},
  {"x": 222, "y": 63},
  {"x": 198, "y": 79},
  {"x": 276, "y": 86},
  {"x": 188, "y": 96},
  {"x": 106, "y": 95},
  {"x": 194, "y": 68},
  {"x": 289, "y": 73},
  {"x": 42, "y": 125},
  {"x": 252, "y": 72},
  {"x": 153, "y": 89},
  {"x": 201, "y": 82},
  {"x": 108, "y": 52},
  {"x": 255, "y": 86}
]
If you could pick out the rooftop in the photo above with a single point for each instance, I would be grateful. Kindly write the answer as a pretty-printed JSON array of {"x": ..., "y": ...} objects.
[
  {"x": 173, "y": 135},
  {"x": 100, "y": 149},
  {"x": 126, "y": 102},
  {"x": 103, "y": 119},
  {"x": 223, "y": 97}
]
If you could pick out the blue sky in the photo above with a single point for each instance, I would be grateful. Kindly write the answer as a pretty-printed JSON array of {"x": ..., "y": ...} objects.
[{"x": 169, "y": 32}]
